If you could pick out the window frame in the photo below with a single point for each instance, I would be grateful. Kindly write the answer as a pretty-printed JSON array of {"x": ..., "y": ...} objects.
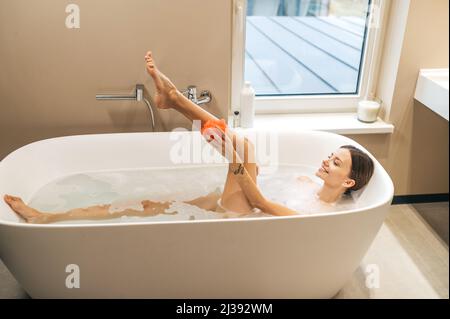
[{"x": 325, "y": 103}]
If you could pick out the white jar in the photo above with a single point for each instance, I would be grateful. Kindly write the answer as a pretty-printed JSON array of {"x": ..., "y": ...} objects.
[
  {"x": 247, "y": 106},
  {"x": 368, "y": 110}
]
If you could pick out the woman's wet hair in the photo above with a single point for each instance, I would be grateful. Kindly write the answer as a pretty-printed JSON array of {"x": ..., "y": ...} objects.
[{"x": 361, "y": 170}]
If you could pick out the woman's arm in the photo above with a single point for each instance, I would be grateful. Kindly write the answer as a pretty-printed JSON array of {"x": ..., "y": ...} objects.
[{"x": 255, "y": 196}]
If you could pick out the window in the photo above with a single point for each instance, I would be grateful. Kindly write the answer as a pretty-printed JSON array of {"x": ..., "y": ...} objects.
[{"x": 307, "y": 55}]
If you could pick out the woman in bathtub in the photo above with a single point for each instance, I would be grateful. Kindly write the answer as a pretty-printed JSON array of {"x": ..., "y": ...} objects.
[{"x": 347, "y": 169}]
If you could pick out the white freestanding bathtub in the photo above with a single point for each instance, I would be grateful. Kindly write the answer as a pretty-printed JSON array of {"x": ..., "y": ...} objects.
[{"x": 308, "y": 256}]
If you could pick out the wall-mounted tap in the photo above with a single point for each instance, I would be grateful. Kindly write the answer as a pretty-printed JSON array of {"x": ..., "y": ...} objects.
[
  {"x": 137, "y": 96},
  {"x": 191, "y": 94}
]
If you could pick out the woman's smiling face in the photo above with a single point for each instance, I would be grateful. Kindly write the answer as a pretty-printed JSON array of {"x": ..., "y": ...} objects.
[{"x": 335, "y": 170}]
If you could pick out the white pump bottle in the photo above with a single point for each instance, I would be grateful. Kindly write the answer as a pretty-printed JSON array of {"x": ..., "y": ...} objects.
[{"x": 247, "y": 105}]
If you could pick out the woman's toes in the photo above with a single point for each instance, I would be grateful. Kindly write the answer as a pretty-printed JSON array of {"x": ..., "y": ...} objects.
[
  {"x": 10, "y": 199},
  {"x": 13, "y": 199},
  {"x": 148, "y": 56},
  {"x": 7, "y": 200},
  {"x": 14, "y": 202}
]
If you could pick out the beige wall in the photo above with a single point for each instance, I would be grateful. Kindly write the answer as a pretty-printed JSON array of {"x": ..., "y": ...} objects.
[
  {"x": 49, "y": 74},
  {"x": 416, "y": 155}
]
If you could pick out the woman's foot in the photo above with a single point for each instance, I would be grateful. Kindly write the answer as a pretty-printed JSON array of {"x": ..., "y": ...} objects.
[
  {"x": 166, "y": 92},
  {"x": 29, "y": 214}
]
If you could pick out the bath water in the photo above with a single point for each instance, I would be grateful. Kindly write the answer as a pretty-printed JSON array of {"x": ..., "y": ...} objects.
[{"x": 294, "y": 186}]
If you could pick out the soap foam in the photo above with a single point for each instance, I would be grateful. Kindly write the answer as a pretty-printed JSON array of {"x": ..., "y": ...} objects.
[
  {"x": 290, "y": 188},
  {"x": 127, "y": 189}
]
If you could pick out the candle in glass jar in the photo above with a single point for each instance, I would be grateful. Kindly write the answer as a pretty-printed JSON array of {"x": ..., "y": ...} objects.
[{"x": 368, "y": 111}]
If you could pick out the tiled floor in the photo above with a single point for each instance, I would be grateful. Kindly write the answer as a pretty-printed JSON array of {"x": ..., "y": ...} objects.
[
  {"x": 9, "y": 287},
  {"x": 412, "y": 259},
  {"x": 407, "y": 260}
]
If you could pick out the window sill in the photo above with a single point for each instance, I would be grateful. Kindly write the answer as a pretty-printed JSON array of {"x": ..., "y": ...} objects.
[{"x": 340, "y": 123}]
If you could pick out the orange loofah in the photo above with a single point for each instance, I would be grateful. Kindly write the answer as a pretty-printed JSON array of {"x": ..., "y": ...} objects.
[{"x": 220, "y": 124}]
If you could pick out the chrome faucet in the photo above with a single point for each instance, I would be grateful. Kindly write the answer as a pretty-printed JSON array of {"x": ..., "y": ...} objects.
[
  {"x": 137, "y": 96},
  {"x": 191, "y": 94}
]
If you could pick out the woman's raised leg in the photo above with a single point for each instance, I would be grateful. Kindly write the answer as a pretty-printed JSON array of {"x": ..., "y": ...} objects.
[{"x": 168, "y": 96}]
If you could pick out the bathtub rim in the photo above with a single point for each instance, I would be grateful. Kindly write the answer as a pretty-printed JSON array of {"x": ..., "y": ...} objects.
[
  {"x": 389, "y": 193},
  {"x": 47, "y": 140}
]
